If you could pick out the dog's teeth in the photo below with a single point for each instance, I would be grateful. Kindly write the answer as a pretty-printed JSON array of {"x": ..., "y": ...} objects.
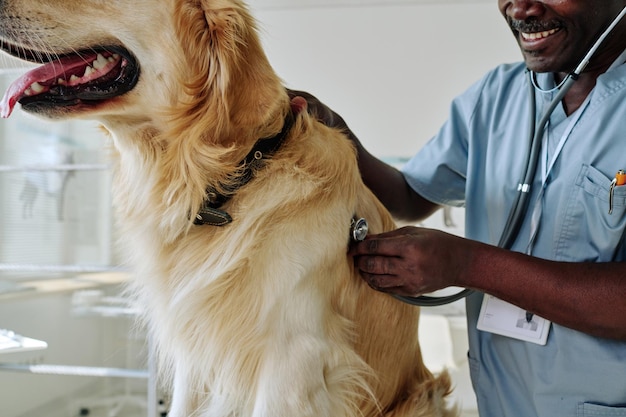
[
  {"x": 37, "y": 88},
  {"x": 88, "y": 71},
  {"x": 100, "y": 63},
  {"x": 74, "y": 78},
  {"x": 34, "y": 89},
  {"x": 61, "y": 81}
]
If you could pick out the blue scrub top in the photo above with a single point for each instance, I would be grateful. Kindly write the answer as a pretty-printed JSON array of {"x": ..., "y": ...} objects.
[{"x": 476, "y": 161}]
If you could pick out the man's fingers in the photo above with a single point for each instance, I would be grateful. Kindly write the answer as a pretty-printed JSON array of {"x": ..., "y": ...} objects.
[
  {"x": 298, "y": 104},
  {"x": 381, "y": 245},
  {"x": 383, "y": 283},
  {"x": 376, "y": 265}
]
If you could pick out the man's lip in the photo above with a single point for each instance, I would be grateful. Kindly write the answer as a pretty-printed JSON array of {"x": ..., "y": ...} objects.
[{"x": 534, "y": 40}]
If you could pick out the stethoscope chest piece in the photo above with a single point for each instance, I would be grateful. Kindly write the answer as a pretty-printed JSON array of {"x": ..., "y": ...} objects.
[{"x": 358, "y": 229}]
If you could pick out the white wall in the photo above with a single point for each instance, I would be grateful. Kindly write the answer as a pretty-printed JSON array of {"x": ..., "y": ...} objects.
[{"x": 390, "y": 68}]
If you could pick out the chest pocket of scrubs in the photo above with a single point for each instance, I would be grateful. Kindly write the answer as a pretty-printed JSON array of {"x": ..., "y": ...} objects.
[
  {"x": 588, "y": 231},
  {"x": 593, "y": 410}
]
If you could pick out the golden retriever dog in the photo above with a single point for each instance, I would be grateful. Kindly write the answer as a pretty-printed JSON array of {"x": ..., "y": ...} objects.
[{"x": 235, "y": 206}]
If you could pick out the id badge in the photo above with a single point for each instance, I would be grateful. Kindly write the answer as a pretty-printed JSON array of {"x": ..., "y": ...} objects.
[{"x": 499, "y": 317}]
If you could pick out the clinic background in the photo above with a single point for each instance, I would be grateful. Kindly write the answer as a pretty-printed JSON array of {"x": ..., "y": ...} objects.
[{"x": 390, "y": 68}]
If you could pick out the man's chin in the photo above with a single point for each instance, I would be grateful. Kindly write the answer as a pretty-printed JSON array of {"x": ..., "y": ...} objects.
[
  {"x": 536, "y": 63},
  {"x": 540, "y": 63}
]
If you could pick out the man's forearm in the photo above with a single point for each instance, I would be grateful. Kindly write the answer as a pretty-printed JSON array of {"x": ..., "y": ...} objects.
[{"x": 589, "y": 297}]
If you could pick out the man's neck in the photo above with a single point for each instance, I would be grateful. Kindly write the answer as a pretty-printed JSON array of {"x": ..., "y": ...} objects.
[
  {"x": 579, "y": 91},
  {"x": 586, "y": 81}
]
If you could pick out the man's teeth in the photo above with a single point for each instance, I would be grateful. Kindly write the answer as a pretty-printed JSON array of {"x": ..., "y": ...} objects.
[
  {"x": 100, "y": 63},
  {"x": 538, "y": 35}
]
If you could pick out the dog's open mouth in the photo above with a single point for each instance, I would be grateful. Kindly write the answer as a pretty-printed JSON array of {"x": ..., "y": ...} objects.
[{"x": 86, "y": 78}]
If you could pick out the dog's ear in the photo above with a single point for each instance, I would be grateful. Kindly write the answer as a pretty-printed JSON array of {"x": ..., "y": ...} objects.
[{"x": 215, "y": 35}]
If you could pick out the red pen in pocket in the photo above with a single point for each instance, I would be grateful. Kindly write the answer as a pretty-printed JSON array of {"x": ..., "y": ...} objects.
[{"x": 620, "y": 179}]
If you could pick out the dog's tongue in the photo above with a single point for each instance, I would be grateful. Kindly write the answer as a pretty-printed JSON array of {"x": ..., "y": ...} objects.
[{"x": 44, "y": 76}]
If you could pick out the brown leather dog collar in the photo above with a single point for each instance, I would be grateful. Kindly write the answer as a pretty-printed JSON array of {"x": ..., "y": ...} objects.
[{"x": 210, "y": 213}]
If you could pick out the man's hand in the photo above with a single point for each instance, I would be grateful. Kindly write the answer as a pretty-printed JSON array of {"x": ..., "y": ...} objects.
[
  {"x": 317, "y": 109},
  {"x": 411, "y": 261}
]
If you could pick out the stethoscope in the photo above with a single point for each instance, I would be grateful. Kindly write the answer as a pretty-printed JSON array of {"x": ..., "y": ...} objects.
[{"x": 520, "y": 207}]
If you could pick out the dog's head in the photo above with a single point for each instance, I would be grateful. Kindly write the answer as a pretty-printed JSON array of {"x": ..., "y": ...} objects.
[{"x": 134, "y": 59}]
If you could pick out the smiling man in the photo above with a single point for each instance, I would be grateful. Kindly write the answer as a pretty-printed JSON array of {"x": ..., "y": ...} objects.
[{"x": 563, "y": 265}]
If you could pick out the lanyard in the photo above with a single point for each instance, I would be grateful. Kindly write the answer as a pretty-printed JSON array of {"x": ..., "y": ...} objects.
[{"x": 546, "y": 168}]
